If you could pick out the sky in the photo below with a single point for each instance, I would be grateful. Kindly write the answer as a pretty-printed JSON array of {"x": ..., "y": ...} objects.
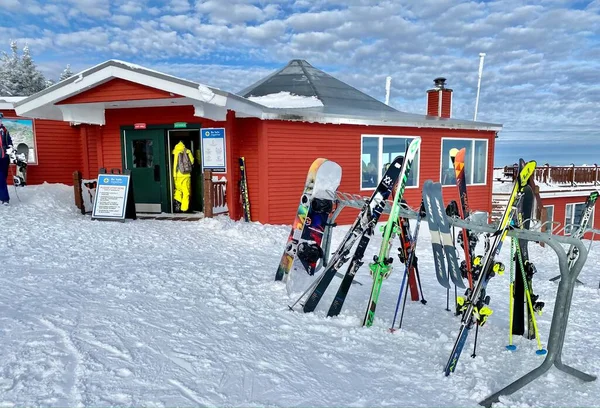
[{"x": 541, "y": 70}]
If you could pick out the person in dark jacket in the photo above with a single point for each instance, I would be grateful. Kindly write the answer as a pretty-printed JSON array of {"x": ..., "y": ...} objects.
[{"x": 5, "y": 144}]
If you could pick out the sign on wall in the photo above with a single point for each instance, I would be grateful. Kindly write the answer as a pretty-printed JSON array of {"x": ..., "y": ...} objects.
[
  {"x": 213, "y": 149},
  {"x": 22, "y": 131},
  {"x": 110, "y": 201}
]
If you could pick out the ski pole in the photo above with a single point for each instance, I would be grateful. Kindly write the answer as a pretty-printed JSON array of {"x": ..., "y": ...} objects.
[
  {"x": 475, "y": 344},
  {"x": 455, "y": 301},
  {"x": 417, "y": 275},
  {"x": 399, "y": 298},
  {"x": 403, "y": 306},
  {"x": 447, "y": 300}
]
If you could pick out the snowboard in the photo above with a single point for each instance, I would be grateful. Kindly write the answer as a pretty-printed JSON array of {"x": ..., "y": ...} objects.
[
  {"x": 21, "y": 158},
  {"x": 322, "y": 175}
]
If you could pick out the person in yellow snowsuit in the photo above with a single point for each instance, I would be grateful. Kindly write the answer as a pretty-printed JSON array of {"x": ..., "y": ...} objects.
[{"x": 182, "y": 176}]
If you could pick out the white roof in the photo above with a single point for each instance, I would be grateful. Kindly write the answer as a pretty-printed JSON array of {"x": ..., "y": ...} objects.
[{"x": 7, "y": 102}]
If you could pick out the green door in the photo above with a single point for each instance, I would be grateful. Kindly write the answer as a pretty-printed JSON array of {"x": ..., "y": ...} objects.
[{"x": 144, "y": 152}]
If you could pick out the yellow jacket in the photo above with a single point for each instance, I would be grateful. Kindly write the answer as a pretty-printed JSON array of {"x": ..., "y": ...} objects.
[{"x": 182, "y": 182}]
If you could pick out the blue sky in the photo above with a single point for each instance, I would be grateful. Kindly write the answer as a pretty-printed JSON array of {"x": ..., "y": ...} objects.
[{"x": 541, "y": 71}]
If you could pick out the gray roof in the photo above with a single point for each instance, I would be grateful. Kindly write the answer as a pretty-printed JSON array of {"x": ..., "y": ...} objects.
[
  {"x": 298, "y": 77},
  {"x": 342, "y": 103}
]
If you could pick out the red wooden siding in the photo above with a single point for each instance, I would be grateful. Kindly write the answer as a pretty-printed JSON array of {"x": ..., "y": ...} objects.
[
  {"x": 292, "y": 147},
  {"x": 446, "y": 103},
  {"x": 560, "y": 211},
  {"x": 117, "y": 90},
  {"x": 433, "y": 100},
  {"x": 247, "y": 135},
  {"x": 58, "y": 149}
]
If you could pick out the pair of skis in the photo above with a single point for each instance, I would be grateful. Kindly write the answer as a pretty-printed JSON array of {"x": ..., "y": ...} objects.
[
  {"x": 244, "y": 189},
  {"x": 361, "y": 230},
  {"x": 475, "y": 309},
  {"x": 444, "y": 252}
]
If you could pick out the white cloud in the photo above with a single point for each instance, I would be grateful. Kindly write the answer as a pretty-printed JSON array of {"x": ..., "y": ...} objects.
[{"x": 121, "y": 20}]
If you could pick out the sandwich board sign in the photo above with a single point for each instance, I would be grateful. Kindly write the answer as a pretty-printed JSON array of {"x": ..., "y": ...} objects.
[{"x": 113, "y": 198}]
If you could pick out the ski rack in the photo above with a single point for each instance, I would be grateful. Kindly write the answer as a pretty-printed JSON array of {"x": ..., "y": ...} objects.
[{"x": 564, "y": 295}]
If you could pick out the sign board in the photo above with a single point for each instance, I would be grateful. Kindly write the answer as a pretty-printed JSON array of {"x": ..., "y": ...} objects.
[
  {"x": 179, "y": 125},
  {"x": 110, "y": 201},
  {"x": 139, "y": 126},
  {"x": 213, "y": 149}
]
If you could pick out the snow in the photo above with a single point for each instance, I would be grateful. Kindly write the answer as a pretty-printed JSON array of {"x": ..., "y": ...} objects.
[
  {"x": 166, "y": 313},
  {"x": 287, "y": 100},
  {"x": 506, "y": 186}
]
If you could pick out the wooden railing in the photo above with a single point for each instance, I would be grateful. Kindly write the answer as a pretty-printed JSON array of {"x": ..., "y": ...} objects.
[
  {"x": 561, "y": 175},
  {"x": 215, "y": 195}
]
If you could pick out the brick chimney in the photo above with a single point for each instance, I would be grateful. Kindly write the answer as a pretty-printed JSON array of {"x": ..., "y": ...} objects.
[{"x": 439, "y": 99}]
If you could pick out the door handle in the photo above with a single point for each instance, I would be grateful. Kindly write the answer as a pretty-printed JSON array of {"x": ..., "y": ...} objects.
[{"x": 157, "y": 173}]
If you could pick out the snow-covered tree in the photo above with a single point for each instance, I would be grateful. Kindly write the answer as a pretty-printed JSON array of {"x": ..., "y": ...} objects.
[
  {"x": 33, "y": 80},
  {"x": 67, "y": 73},
  {"x": 19, "y": 76}
]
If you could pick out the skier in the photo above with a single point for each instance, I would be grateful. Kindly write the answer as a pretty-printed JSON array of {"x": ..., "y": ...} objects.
[
  {"x": 5, "y": 144},
  {"x": 183, "y": 161}
]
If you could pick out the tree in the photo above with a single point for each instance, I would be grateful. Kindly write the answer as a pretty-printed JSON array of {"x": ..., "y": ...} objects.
[
  {"x": 19, "y": 76},
  {"x": 67, "y": 73}
]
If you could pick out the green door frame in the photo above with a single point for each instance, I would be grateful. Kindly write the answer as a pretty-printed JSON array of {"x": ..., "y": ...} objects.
[{"x": 165, "y": 187}]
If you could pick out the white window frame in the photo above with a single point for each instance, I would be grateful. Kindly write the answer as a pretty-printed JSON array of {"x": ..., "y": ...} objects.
[
  {"x": 590, "y": 225},
  {"x": 380, "y": 153},
  {"x": 472, "y": 139},
  {"x": 552, "y": 205}
]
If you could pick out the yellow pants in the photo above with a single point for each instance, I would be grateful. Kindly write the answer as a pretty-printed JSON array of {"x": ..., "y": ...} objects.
[{"x": 183, "y": 188}]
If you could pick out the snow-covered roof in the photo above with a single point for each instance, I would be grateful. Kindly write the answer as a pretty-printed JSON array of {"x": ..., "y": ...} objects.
[
  {"x": 7, "y": 102},
  {"x": 213, "y": 103}
]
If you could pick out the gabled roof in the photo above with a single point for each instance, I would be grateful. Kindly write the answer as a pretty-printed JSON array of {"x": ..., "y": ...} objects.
[
  {"x": 298, "y": 77},
  {"x": 342, "y": 104},
  {"x": 7, "y": 102},
  {"x": 208, "y": 102}
]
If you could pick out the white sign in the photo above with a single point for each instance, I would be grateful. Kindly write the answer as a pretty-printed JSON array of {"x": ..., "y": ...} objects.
[
  {"x": 213, "y": 149},
  {"x": 111, "y": 196}
]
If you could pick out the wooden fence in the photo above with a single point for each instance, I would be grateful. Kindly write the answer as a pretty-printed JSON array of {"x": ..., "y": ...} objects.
[{"x": 561, "y": 175}]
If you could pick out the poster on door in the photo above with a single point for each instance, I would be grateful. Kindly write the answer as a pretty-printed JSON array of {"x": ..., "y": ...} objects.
[{"x": 213, "y": 149}]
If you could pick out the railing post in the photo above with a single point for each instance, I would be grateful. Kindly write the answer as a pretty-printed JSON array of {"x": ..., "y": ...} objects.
[
  {"x": 208, "y": 194},
  {"x": 596, "y": 177},
  {"x": 573, "y": 175},
  {"x": 547, "y": 179}
]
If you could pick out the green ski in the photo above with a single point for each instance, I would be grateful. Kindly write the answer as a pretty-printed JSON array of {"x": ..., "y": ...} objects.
[{"x": 381, "y": 266}]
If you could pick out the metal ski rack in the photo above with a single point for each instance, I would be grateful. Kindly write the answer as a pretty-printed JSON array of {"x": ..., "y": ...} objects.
[
  {"x": 562, "y": 306},
  {"x": 564, "y": 295}
]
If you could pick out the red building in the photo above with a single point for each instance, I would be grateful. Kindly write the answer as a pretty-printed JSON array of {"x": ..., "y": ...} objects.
[{"x": 119, "y": 115}]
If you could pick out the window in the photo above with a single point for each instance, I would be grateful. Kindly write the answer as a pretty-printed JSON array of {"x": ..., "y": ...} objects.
[
  {"x": 548, "y": 218},
  {"x": 475, "y": 160},
  {"x": 377, "y": 153},
  {"x": 143, "y": 154},
  {"x": 574, "y": 212}
]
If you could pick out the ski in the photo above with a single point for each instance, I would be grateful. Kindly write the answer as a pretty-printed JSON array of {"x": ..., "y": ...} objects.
[
  {"x": 381, "y": 267},
  {"x": 441, "y": 219},
  {"x": 20, "y": 157},
  {"x": 363, "y": 225},
  {"x": 579, "y": 232},
  {"x": 475, "y": 310},
  {"x": 436, "y": 239},
  {"x": 244, "y": 190},
  {"x": 458, "y": 160}
]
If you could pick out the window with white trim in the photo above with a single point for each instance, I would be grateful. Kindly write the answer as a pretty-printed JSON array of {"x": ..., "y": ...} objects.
[
  {"x": 475, "y": 160},
  {"x": 549, "y": 214},
  {"x": 573, "y": 213},
  {"x": 377, "y": 152}
]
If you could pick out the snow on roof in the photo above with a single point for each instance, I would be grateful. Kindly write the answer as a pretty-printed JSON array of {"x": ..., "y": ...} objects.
[
  {"x": 504, "y": 185},
  {"x": 287, "y": 100},
  {"x": 6, "y": 102}
]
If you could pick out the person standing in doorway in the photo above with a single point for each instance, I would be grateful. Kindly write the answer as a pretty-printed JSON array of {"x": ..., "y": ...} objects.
[
  {"x": 5, "y": 144},
  {"x": 183, "y": 161}
]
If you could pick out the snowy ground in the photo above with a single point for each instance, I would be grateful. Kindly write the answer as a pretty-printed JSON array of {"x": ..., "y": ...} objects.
[{"x": 164, "y": 313}]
